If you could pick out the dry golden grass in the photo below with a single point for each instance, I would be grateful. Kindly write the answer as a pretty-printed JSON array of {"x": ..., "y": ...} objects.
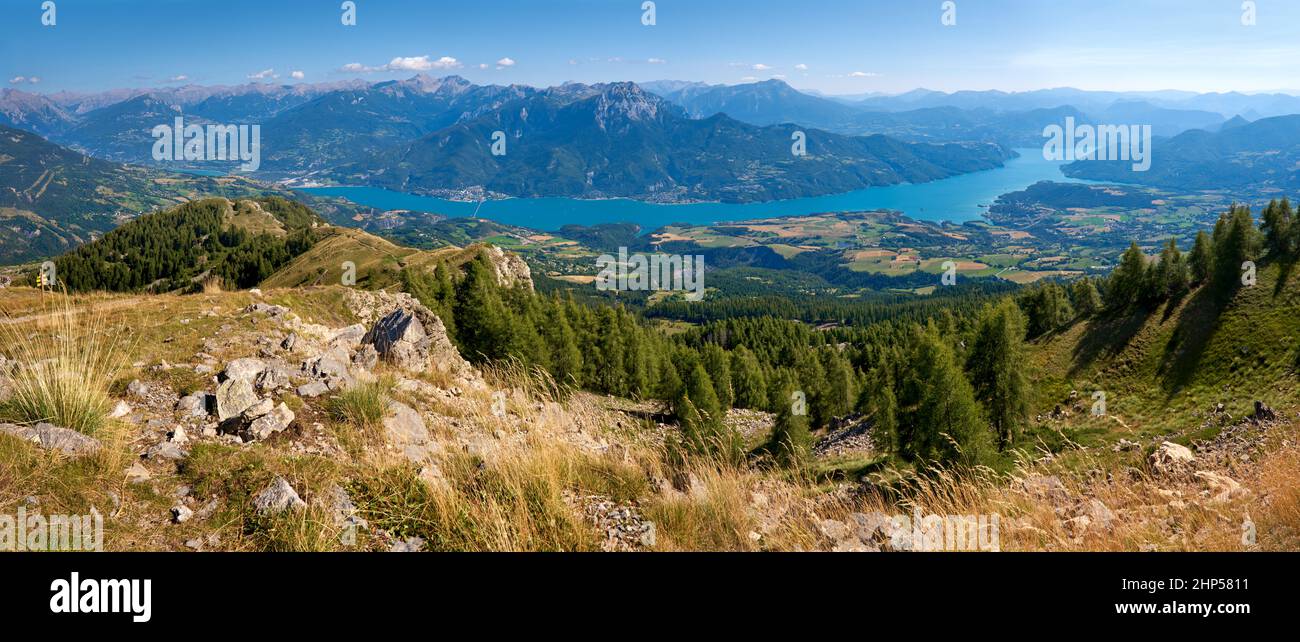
[{"x": 66, "y": 358}]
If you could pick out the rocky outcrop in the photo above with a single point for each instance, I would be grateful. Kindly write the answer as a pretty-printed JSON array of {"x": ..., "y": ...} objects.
[
  {"x": 511, "y": 271},
  {"x": 408, "y": 335},
  {"x": 400, "y": 339}
]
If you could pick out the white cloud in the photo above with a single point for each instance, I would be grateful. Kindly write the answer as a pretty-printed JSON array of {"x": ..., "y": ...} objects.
[
  {"x": 749, "y": 79},
  {"x": 779, "y": 76},
  {"x": 408, "y": 63},
  {"x": 864, "y": 74},
  {"x": 657, "y": 61},
  {"x": 178, "y": 78},
  {"x": 422, "y": 63},
  {"x": 760, "y": 67},
  {"x": 505, "y": 62},
  {"x": 801, "y": 67},
  {"x": 265, "y": 74},
  {"x": 18, "y": 80},
  {"x": 297, "y": 75}
]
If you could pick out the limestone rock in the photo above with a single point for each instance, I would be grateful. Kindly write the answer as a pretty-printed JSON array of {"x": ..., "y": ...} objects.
[
  {"x": 270, "y": 423},
  {"x": 278, "y": 498},
  {"x": 405, "y": 432},
  {"x": 51, "y": 437},
  {"x": 247, "y": 368},
  {"x": 234, "y": 396},
  {"x": 1171, "y": 459}
]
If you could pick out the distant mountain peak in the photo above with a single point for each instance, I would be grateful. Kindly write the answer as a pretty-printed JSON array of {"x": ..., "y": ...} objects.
[{"x": 428, "y": 83}]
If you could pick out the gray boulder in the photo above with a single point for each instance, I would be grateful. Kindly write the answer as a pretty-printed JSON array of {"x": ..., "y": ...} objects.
[
  {"x": 51, "y": 437},
  {"x": 313, "y": 389},
  {"x": 366, "y": 357},
  {"x": 234, "y": 396},
  {"x": 278, "y": 498},
  {"x": 333, "y": 372},
  {"x": 247, "y": 368},
  {"x": 166, "y": 451},
  {"x": 194, "y": 405},
  {"x": 400, "y": 339},
  {"x": 269, "y": 424},
  {"x": 405, "y": 432}
]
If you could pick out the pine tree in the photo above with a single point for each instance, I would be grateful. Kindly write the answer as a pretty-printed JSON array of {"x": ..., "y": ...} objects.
[
  {"x": 1276, "y": 223},
  {"x": 1126, "y": 282},
  {"x": 1235, "y": 243},
  {"x": 1201, "y": 259},
  {"x": 484, "y": 323},
  {"x": 996, "y": 368},
  {"x": 566, "y": 358},
  {"x": 791, "y": 441},
  {"x": 701, "y": 418},
  {"x": 718, "y": 364},
  {"x": 943, "y": 422},
  {"x": 747, "y": 380},
  {"x": 1047, "y": 308},
  {"x": 879, "y": 402},
  {"x": 1173, "y": 275},
  {"x": 1087, "y": 301}
]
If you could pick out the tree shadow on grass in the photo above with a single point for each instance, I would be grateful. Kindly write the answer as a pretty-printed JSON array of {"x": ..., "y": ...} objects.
[
  {"x": 1107, "y": 336},
  {"x": 1182, "y": 353}
]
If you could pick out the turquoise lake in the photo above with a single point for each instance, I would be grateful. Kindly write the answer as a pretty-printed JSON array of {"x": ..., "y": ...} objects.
[{"x": 952, "y": 199}]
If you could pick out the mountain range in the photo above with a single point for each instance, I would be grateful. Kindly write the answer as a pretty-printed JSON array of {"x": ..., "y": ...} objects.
[
  {"x": 432, "y": 134},
  {"x": 1245, "y": 157}
]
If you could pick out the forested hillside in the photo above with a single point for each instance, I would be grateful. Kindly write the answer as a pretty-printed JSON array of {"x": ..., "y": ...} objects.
[{"x": 212, "y": 240}]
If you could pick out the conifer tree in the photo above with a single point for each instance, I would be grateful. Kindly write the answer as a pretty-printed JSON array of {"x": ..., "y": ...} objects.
[
  {"x": 996, "y": 366},
  {"x": 1087, "y": 300},
  {"x": 1126, "y": 282},
  {"x": 747, "y": 380},
  {"x": 1201, "y": 259},
  {"x": 718, "y": 364},
  {"x": 943, "y": 422},
  {"x": 1235, "y": 243},
  {"x": 791, "y": 441},
  {"x": 1276, "y": 224}
]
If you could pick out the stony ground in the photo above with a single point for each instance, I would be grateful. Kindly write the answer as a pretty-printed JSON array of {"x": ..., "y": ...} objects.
[{"x": 233, "y": 430}]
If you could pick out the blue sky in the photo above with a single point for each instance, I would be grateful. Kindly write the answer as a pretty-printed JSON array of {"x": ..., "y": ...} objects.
[{"x": 832, "y": 46}]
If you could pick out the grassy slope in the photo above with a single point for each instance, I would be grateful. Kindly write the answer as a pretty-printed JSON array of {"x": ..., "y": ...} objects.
[
  {"x": 378, "y": 261},
  {"x": 1158, "y": 369}
]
